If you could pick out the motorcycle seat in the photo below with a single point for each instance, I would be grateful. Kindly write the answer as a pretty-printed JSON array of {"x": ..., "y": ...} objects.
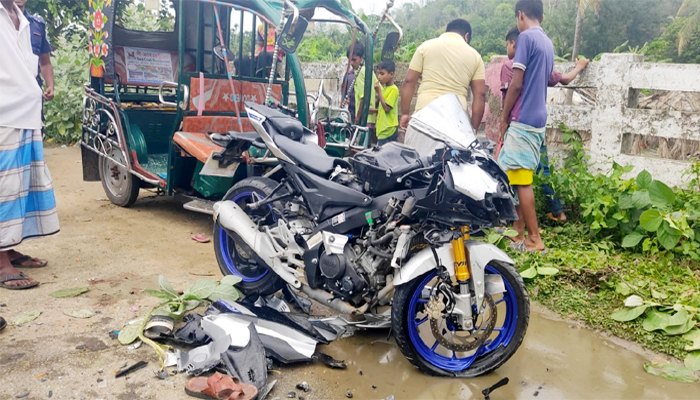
[
  {"x": 284, "y": 124},
  {"x": 309, "y": 156}
]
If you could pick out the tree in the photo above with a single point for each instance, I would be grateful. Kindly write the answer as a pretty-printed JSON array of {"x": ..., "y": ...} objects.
[
  {"x": 691, "y": 10},
  {"x": 580, "y": 12},
  {"x": 61, "y": 16}
]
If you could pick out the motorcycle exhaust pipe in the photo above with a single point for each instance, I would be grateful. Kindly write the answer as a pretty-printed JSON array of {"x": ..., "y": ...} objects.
[
  {"x": 233, "y": 219},
  {"x": 329, "y": 301}
]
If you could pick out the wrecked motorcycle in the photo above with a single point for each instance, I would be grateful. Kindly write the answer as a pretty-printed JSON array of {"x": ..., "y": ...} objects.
[{"x": 389, "y": 229}]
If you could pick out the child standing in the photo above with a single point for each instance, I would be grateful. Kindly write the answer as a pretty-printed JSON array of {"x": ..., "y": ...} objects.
[
  {"x": 388, "y": 95},
  {"x": 357, "y": 61},
  {"x": 556, "y": 210},
  {"x": 525, "y": 117}
]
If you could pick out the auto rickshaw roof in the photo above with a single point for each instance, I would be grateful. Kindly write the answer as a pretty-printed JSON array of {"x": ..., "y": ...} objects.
[{"x": 272, "y": 9}]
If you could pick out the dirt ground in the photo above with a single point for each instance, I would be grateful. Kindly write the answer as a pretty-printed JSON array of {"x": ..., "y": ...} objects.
[{"x": 119, "y": 252}]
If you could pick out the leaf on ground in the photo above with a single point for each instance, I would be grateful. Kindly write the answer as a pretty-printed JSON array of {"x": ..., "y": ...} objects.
[
  {"x": 201, "y": 289},
  {"x": 634, "y": 301},
  {"x": 225, "y": 292},
  {"x": 529, "y": 273},
  {"x": 23, "y": 318},
  {"x": 692, "y": 361},
  {"x": 231, "y": 280},
  {"x": 165, "y": 286},
  {"x": 59, "y": 294},
  {"x": 675, "y": 330},
  {"x": 655, "y": 320},
  {"x": 679, "y": 318},
  {"x": 130, "y": 333},
  {"x": 84, "y": 314},
  {"x": 622, "y": 288},
  {"x": 158, "y": 294},
  {"x": 693, "y": 335},
  {"x": 629, "y": 314},
  {"x": 671, "y": 372},
  {"x": 547, "y": 271}
]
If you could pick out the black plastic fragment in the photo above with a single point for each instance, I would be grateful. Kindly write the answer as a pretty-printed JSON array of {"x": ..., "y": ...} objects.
[
  {"x": 329, "y": 361},
  {"x": 487, "y": 392},
  {"x": 131, "y": 369}
]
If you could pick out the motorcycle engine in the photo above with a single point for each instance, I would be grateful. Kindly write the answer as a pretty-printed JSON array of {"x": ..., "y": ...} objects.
[{"x": 339, "y": 276}]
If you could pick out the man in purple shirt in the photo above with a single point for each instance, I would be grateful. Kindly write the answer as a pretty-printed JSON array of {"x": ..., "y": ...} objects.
[
  {"x": 556, "y": 210},
  {"x": 525, "y": 117}
]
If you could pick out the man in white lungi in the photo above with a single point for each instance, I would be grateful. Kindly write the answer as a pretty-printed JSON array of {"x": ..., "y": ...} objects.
[{"x": 27, "y": 202}]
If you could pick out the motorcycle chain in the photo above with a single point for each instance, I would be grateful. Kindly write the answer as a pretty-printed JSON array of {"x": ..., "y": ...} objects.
[{"x": 478, "y": 336}]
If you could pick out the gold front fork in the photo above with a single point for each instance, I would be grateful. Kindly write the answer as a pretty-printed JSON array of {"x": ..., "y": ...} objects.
[{"x": 461, "y": 254}]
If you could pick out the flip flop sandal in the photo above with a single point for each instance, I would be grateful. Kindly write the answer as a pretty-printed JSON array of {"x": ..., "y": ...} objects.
[
  {"x": 19, "y": 277},
  {"x": 220, "y": 387},
  {"x": 18, "y": 262},
  {"x": 3, "y": 324},
  {"x": 518, "y": 246}
]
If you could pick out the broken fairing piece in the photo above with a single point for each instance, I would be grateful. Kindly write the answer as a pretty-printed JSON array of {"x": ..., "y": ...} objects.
[
  {"x": 192, "y": 333},
  {"x": 204, "y": 358},
  {"x": 262, "y": 394},
  {"x": 274, "y": 303},
  {"x": 329, "y": 361},
  {"x": 292, "y": 297},
  {"x": 248, "y": 363},
  {"x": 281, "y": 342},
  {"x": 172, "y": 359},
  {"x": 487, "y": 392}
]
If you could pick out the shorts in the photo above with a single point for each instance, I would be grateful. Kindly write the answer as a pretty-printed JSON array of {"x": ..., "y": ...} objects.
[{"x": 520, "y": 177}]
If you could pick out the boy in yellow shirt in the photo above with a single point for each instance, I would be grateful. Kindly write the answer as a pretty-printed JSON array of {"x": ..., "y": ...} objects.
[{"x": 388, "y": 96}]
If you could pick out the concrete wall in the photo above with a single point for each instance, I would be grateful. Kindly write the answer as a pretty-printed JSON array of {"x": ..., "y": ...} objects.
[{"x": 660, "y": 141}]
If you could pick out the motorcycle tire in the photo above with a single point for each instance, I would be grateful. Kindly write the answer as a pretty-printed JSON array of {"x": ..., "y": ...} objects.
[
  {"x": 502, "y": 347},
  {"x": 256, "y": 280}
]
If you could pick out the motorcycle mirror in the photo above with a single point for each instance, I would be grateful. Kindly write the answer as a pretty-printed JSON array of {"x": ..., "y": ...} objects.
[
  {"x": 292, "y": 35},
  {"x": 390, "y": 44}
]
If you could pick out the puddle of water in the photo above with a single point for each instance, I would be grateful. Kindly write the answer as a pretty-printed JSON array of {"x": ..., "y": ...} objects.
[{"x": 555, "y": 362}]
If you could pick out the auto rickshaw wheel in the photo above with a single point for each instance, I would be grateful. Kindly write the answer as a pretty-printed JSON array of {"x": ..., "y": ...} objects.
[{"x": 121, "y": 187}]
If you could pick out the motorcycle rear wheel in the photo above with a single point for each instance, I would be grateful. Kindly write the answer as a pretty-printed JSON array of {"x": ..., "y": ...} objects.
[
  {"x": 233, "y": 256},
  {"x": 432, "y": 358}
]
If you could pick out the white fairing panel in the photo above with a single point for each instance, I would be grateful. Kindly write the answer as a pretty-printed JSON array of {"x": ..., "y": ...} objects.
[
  {"x": 443, "y": 121},
  {"x": 472, "y": 181}
]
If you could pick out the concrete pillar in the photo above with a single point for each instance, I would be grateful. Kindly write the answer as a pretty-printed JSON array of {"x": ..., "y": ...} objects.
[{"x": 608, "y": 118}]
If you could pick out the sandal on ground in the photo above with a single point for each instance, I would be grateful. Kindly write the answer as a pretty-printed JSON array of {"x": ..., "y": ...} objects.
[
  {"x": 20, "y": 262},
  {"x": 19, "y": 277},
  {"x": 220, "y": 387},
  {"x": 522, "y": 248},
  {"x": 3, "y": 324}
]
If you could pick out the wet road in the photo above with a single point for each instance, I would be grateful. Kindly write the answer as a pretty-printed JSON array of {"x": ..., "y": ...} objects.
[{"x": 119, "y": 252}]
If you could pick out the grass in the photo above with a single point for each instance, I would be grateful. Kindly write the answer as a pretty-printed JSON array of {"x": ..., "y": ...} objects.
[{"x": 594, "y": 279}]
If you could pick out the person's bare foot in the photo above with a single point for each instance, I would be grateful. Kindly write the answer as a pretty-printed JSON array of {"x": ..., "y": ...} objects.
[
  {"x": 6, "y": 269},
  {"x": 562, "y": 217},
  {"x": 534, "y": 244}
]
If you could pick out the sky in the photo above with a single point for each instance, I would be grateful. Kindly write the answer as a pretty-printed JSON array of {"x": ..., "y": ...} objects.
[{"x": 377, "y": 6}]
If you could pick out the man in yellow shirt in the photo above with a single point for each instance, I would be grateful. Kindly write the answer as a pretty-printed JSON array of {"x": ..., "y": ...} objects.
[{"x": 447, "y": 64}]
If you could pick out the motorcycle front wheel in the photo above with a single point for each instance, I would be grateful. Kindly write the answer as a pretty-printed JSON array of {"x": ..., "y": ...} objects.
[
  {"x": 234, "y": 256},
  {"x": 414, "y": 336}
]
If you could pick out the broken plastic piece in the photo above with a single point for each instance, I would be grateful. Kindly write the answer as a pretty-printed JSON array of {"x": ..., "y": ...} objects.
[
  {"x": 201, "y": 239},
  {"x": 487, "y": 392},
  {"x": 159, "y": 326},
  {"x": 131, "y": 369},
  {"x": 297, "y": 301},
  {"x": 192, "y": 333},
  {"x": 329, "y": 361},
  {"x": 248, "y": 363}
]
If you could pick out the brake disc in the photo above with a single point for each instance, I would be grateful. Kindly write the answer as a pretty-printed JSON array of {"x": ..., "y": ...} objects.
[{"x": 463, "y": 341}]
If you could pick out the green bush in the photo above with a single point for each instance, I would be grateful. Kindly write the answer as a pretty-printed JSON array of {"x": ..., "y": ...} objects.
[{"x": 71, "y": 73}]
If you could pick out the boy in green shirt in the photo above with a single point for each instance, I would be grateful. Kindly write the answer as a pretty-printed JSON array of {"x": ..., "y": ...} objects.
[{"x": 388, "y": 95}]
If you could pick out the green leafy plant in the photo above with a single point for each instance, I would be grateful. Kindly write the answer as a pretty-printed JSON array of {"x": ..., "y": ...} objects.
[
  {"x": 174, "y": 304},
  {"x": 63, "y": 113}
]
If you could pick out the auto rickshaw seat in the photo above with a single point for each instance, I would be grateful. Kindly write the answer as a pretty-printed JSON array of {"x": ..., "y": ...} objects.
[{"x": 196, "y": 144}]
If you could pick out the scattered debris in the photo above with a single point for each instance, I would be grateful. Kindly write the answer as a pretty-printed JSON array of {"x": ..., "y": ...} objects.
[
  {"x": 101, "y": 370},
  {"x": 359, "y": 372},
  {"x": 83, "y": 314},
  {"x": 348, "y": 394},
  {"x": 200, "y": 274},
  {"x": 50, "y": 394},
  {"x": 162, "y": 374},
  {"x": 40, "y": 375},
  {"x": 131, "y": 369},
  {"x": 80, "y": 347},
  {"x": 373, "y": 387},
  {"x": 292, "y": 395},
  {"x": 159, "y": 326},
  {"x": 487, "y": 392},
  {"x": 329, "y": 361},
  {"x": 114, "y": 335},
  {"x": 303, "y": 386},
  {"x": 63, "y": 293},
  {"x": 201, "y": 239},
  {"x": 23, "y": 318},
  {"x": 22, "y": 395},
  {"x": 99, "y": 380}
]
